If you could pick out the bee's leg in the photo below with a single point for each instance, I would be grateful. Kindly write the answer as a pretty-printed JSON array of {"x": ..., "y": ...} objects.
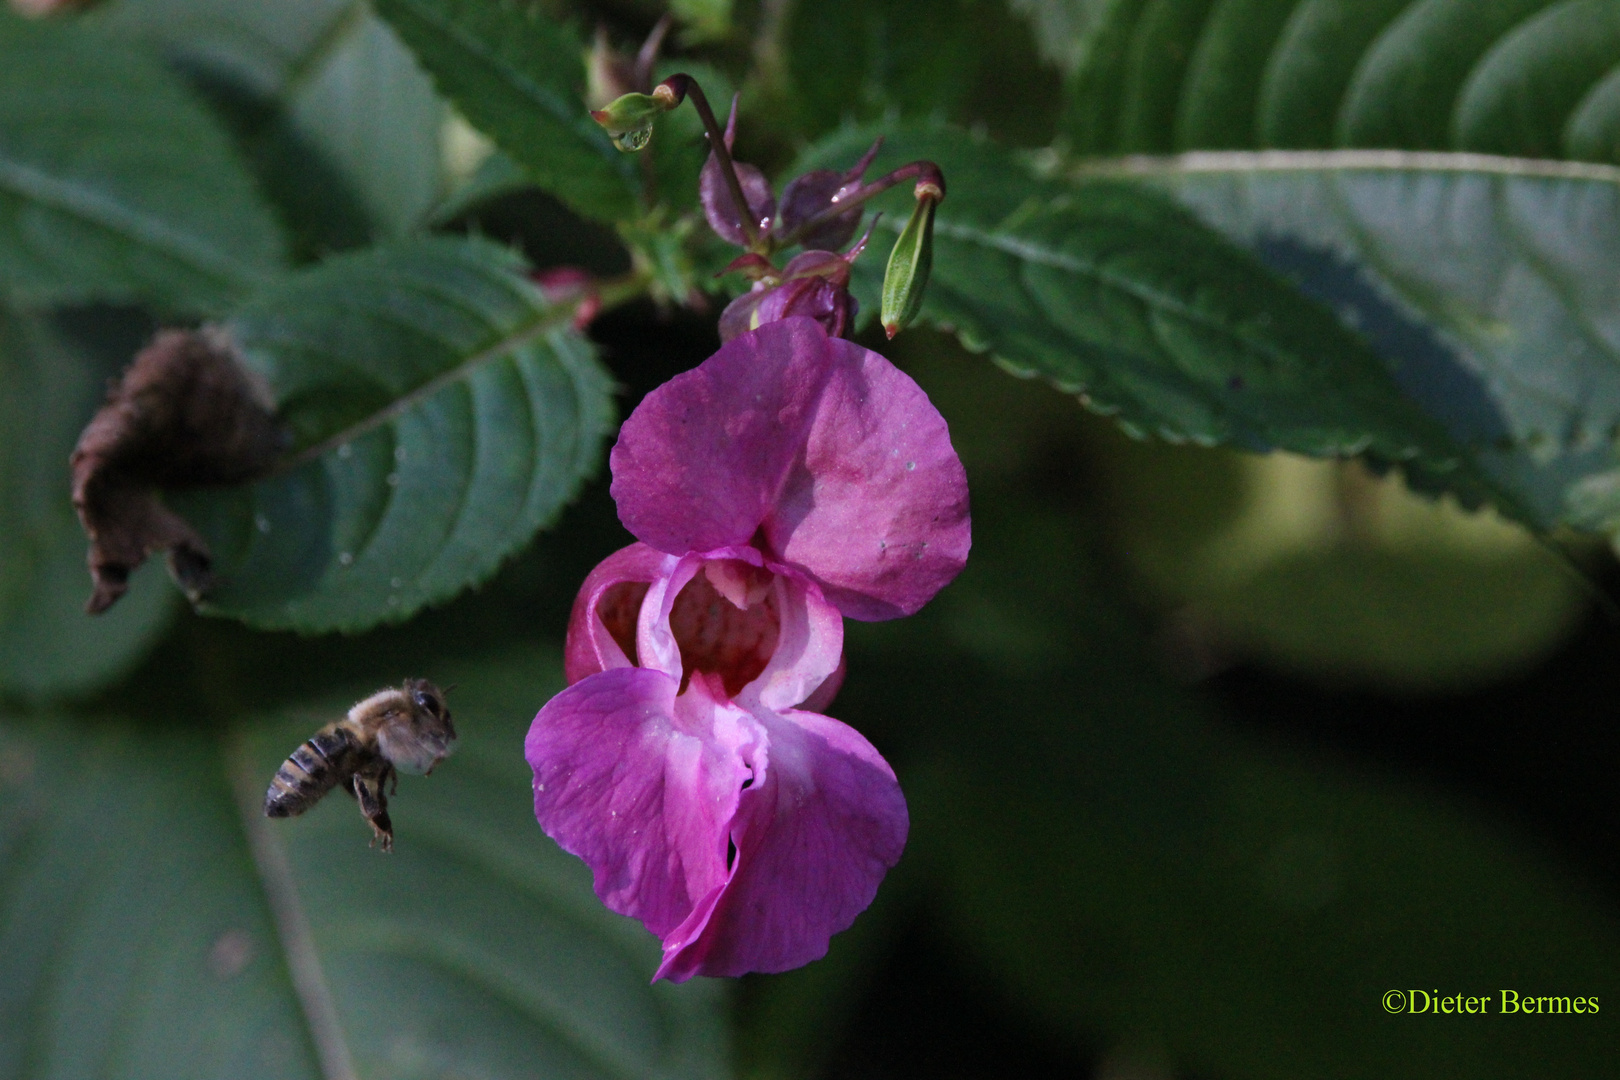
[
  {"x": 374, "y": 805},
  {"x": 391, "y": 775}
]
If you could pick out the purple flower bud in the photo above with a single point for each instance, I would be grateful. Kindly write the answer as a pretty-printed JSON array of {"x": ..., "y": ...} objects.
[
  {"x": 814, "y": 284},
  {"x": 818, "y": 191},
  {"x": 718, "y": 205}
]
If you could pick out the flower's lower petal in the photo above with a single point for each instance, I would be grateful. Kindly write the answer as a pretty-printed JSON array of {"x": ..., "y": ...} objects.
[
  {"x": 878, "y": 510},
  {"x": 602, "y": 627},
  {"x": 809, "y": 645},
  {"x": 643, "y": 787},
  {"x": 822, "y": 696},
  {"x": 813, "y": 841}
]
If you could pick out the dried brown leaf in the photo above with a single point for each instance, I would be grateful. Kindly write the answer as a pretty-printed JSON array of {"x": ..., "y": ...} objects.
[{"x": 186, "y": 413}]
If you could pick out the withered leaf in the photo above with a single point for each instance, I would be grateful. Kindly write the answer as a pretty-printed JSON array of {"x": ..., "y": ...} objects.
[{"x": 185, "y": 414}]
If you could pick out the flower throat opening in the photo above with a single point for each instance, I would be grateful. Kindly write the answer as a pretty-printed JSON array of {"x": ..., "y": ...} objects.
[{"x": 726, "y": 622}]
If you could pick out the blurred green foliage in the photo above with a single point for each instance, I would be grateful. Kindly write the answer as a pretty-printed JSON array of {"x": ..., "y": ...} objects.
[{"x": 1100, "y": 843}]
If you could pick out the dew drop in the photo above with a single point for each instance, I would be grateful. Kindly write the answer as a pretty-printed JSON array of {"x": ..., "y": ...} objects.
[
  {"x": 910, "y": 465},
  {"x": 393, "y": 479},
  {"x": 261, "y": 523},
  {"x": 631, "y": 141},
  {"x": 345, "y": 558},
  {"x": 393, "y": 601},
  {"x": 394, "y": 583},
  {"x": 345, "y": 451},
  {"x": 399, "y": 453}
]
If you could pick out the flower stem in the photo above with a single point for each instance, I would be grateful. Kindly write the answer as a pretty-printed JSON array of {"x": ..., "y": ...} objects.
[
  {"x": 682, "y": 85},
  {"x": 930, "y": 183}
]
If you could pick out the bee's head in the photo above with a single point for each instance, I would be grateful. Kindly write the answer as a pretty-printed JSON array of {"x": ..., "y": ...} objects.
[
  {"x": 428, "y": 701},
  {"x": 426, "y": 737}
]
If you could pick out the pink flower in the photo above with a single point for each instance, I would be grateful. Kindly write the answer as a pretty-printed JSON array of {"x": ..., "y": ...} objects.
[{"x": 789, "y": 480}]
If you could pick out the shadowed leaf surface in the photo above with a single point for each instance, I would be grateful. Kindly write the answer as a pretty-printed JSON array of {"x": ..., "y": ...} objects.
[
  {"x": 114, "y": 183},
  {"x": 1488, "y": 285},
  {"x": 48, "y": 645},
  {"x": 152, "y": 917},
  {"x": 340, "y": 126}
]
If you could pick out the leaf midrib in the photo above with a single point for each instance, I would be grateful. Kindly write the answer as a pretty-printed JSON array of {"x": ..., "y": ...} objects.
[
  {"x": 1410, "y": 163},
  {"x": 1393, "y": 161},
  {"x": 30, "y": 184},
  {"x": 545, "y": 322},
  {"x": 1042, "y": 255}
]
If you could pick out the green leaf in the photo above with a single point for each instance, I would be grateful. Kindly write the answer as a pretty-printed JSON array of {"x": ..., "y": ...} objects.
[
  {"x": 49, "y": 647},
  {"x": 441, "y": 414},
  {"x": 519, "y": 77},
  {"x": 340, "y": 125},
  {"x": 1163, "y": 43},
  {"x": 374, "y": 114},
  {"x": 702, "y": 20},
  {"x": 154, "y": 923},
  {"x": 1227, "y": 71},
  {"x": 1065, "y": 29},
  {"x": 1499, "y": 323},
  {"x": 1312, "y": 65},
  {"x": 1519, "y": 96},
  {"x": 495, "y": 177},
  {"x": 1095, "y": 84},
  {"x": 1407, "y": 86},
  {"x": 1106, "y": 290},
  {"x": 1519, "y": 77},
  {"x": 114, "y": 184},
  {"x": 853, "y": 58},
  {"x": 973, "y": 61}
]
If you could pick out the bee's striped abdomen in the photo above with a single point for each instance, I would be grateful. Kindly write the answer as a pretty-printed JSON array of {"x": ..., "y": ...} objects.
[{"x": 325, "y": 760}]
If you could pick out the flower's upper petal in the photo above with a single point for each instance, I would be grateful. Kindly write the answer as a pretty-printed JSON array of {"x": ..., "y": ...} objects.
[
  {"x": 643, "y": 787},
  {"x": 602, "y": 628},
  {"x": 699, "y": 463},
  {"x": 876, "y": 508},
  {"x": 838, "y": 455},
  {"x": 813, "y": 841}
]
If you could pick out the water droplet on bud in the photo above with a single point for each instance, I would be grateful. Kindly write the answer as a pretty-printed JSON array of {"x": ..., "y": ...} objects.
[{"x": 631, "y": 141}]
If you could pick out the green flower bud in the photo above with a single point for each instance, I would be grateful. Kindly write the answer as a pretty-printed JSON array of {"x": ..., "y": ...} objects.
[
  {"x": 909, "y": 263},
  {"x": 629, "y": 119}
]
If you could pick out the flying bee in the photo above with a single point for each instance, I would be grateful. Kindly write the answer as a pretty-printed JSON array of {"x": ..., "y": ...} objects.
[{"x": 407, "y": 728}]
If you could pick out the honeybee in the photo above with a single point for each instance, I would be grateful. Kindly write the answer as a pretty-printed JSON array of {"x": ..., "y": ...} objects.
[{"x": 406, "y": 728}]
